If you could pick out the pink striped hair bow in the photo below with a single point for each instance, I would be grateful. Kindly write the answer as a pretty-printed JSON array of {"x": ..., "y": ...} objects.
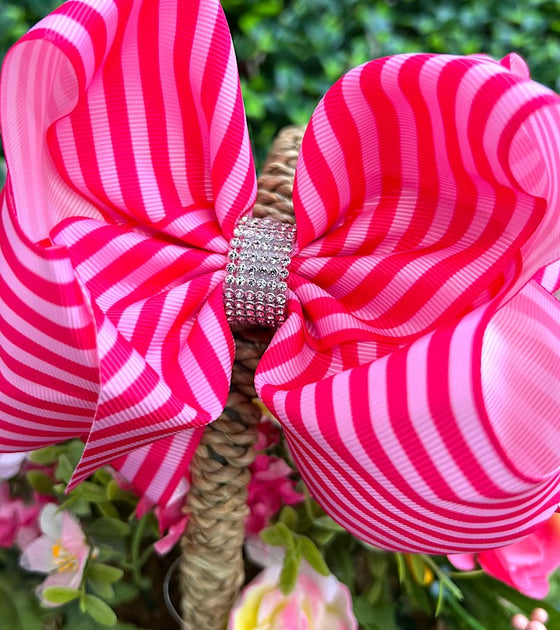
[{"x": 417, "y": 373}]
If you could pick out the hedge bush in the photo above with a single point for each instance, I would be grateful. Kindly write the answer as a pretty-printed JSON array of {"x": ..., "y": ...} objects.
[{"x": 291, "y": 51}]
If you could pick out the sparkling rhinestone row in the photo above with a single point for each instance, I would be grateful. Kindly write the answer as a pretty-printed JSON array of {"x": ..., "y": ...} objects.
[{"x": 256, "y": 273}]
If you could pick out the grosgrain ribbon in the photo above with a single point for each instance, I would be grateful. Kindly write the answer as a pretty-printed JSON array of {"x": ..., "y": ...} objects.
[{"x": 417, "y": 372}]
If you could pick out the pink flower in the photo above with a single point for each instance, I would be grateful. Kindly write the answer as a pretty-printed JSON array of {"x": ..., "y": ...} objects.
[
  {"x": 18, "y": 520},
  {"x": 316, "y": 603},
  {"x": 526, "y": 564},
  {"x": 270, "y": 488},
  {"x": 171, "y": 519},
  {"x": 61, "y": 552},
  {"x": 268, "y": 434}
]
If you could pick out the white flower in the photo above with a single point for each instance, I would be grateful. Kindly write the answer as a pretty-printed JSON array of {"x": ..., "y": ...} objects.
[
  {"x": 10, "y": 463},
  {"x": 61, "y": 552}
]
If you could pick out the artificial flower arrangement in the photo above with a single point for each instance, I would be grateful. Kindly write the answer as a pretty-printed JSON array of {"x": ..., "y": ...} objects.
[
  {"x": 413, "y": 479},
  {"x": 95, "y": 558}
]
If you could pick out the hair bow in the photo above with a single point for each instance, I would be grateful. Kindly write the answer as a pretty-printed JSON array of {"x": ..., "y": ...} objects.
[{"x": 417, "y": 373}]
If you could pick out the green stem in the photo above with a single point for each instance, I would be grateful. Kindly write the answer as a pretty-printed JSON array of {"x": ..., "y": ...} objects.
[
  {"x": 444, "y": 583},
  {"x": 464, "y": 615},
  {"x": 466, "y": 574},
  {"x": 137, "y": 558},
  {"x": 145, "y": 555},
  {"x": 401, "y": 567}
]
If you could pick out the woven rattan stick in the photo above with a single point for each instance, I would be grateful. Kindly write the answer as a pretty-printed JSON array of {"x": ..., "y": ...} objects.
[
  {"x": 274, "y": 198},
  {"x": 212, "y": 546},
  {"x": 212, "y": 559}
]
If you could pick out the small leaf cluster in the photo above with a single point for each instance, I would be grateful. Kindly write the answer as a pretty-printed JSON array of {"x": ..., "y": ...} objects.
[
  {"x": 297, "y": 547},
  {"x": 397, "y": 591},
  {"x": 121, "y": 544}
]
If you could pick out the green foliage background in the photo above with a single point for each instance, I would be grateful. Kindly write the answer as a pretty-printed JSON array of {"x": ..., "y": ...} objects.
[{"x": 291, "y": 51}]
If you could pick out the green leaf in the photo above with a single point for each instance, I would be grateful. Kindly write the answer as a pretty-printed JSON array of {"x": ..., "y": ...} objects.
[
  {"x": 103, "y": 590},
  {"x": 108, "y": 527},
  {"x": 10, "y": 616},
  {"x": 45, "y": 455},
  {"x": 60, "y": 594},
  {"x": 380, "y": 616},
  {"x": 64, "y": 469},
  {"x": 72, "y": 450},
  {"x": 401, "y": 567},
  {"x": 374, "y": 591},
  {"x": 553, "y": 596},
  {"x": 108, "y": 509},
  {"x": 339, "y": 559},
  {"x": 124, "y": 592},
  {"x": 99, "y": 610},
  {"x": 421, "y": 598},
  {"x": 104, "y": 572},
  {"x": 289, "y": 517},
  {"x": 443, "y": 577},
  {"x": 89, "y": 491},
  {"x": 325, "y": 522},
  {"x": 289, "y": 572},
  {"x": 40, "y": 481},
  {"x": 488, "y": 587},
  {"x": 76, "y": 620},
  {"x": 19, "y": 606},
  {"x": 278, "y": 535},
  {"x": 441, "y": 599},
  {"x": 313, "y": 510},
  {"x": 468, "y": 621},
  {"x": 321, "y": 537},
  {"x": 114, "y": 551},
  {"x": 102, "y": 476},
  {"x": 115, "y": 493},
  {"x": 309, "y": 551},
  {"x": 80, "y": 507}
]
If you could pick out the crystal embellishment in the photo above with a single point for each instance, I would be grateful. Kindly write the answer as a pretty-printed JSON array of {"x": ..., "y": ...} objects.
[{"x": 256, "y": 271}]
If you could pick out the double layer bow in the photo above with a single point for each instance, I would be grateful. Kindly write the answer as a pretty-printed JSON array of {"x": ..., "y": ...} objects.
[{"x": 417, "y": 373}]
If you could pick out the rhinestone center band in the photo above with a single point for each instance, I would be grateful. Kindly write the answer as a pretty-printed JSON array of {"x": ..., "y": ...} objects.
[{"x": 256, "y": 273}]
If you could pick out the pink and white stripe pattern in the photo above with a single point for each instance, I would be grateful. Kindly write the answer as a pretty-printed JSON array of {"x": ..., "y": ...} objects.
[
  {"x": 421, "y": 394},
  {"x": 417, "y": 375},
  {"x": 121, "y": 199}
]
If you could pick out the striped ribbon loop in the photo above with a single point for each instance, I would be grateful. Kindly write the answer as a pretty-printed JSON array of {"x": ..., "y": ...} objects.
[{"x": 417, "y": 372}]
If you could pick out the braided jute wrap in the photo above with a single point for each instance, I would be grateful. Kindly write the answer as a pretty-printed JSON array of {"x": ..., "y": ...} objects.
[{"x": 212, "y": 570}]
